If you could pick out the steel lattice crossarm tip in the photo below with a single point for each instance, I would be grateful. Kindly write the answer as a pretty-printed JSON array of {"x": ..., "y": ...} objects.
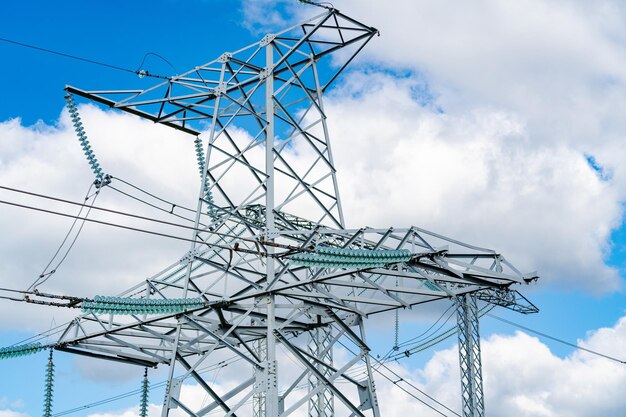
[{"x": 272, "y": 262}]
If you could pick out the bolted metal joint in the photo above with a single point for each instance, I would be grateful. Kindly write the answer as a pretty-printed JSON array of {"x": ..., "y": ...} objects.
[
  {"x": 267, "y": 39},
  {"x": 225, "y": 57}
]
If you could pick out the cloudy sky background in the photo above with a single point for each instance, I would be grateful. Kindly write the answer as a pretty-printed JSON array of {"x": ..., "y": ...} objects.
[{"x": 497, "y": 123}]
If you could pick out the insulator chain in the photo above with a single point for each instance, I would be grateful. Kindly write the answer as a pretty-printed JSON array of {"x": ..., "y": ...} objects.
[
  {"x": 20, "y": 350},
  {"x": 122, "y": 305},
  {"x": 48, "y": 388},
  {"x": 350, "y": 258},
  {"x": 145, "y": 388},
  {"x": 101, "y": 178},
  {"x": 208, "y": 196},
  {"x": 397, "y": 325}
]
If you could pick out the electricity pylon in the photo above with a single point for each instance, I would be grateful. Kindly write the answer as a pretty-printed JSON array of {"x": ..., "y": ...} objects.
[{"x": 274, "y": 275}]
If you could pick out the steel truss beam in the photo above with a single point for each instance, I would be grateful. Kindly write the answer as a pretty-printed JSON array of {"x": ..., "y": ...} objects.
[{"x": 272, "y": 192}]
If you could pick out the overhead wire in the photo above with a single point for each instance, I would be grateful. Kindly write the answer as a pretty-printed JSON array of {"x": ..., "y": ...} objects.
[
  {"x": 437, "y": 338},
  {"x": 121, "y": 213},
  {"x": 171, "y": 212},
  {"x": 401, "y": 379},
  {"x": 45, "y": 275},
  {"x": 420, "y": 336},
  {"x": 147, "y": 54},
  {"x": 152, "y": 195},
  {"x": 96, "y": 221},
  {"x": 90, "y": 61},
  {"x": 556, "y": 339}
]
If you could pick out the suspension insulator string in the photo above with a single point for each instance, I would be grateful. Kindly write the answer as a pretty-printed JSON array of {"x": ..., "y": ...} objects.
[
  {"x": 101, "y": 178},
  {"x": 328, "y": 257},
  {"x": 397, "y": 325},
  {"x": 208, "y": 196},
  {"x": 145, "y": 388},
  {"x": 20, "y": 350},
  {"x": 48, "y": 387},
  {"x": 126, "y": 306}
]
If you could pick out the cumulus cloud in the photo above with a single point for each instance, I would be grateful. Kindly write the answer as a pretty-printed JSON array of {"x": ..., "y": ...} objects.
[
  {"x": 11, "y": 413},
  {"x": 523, "y": 377},
  {"x": 48, "y": 160},
  {"x": 153, "y": 411},
  {"x": 475, "y": 176},
  {"x": 516, "y": 99}
]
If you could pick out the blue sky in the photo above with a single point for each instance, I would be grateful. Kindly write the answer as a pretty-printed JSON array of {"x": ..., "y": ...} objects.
[{"x": 502, "y": 105}]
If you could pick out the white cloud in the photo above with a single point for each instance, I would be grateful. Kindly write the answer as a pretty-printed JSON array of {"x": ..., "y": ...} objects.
[
  {"x": 154, "y": 410},
  {"x": 475, "y": 176},
  {"x": 265, "y": 16},
  {"x": 529, "y": 89},
  {"x": 523, "y": 377},
  {"x": 11, "y": 413},
  {"x": 48, "y": 160}
]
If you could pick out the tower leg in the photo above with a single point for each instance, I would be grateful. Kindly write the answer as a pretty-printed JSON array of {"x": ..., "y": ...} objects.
[
  {"x": 258, "y": 399},
  {"x": 469, "y": 357},
  {"x": 321, "y": 404}
]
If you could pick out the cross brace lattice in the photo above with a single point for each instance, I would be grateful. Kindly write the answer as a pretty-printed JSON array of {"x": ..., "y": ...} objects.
[{"x": 268, "y": 192}]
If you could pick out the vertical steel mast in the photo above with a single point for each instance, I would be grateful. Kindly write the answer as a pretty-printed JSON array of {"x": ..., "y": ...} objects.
[{"x": 472, "y": 398}]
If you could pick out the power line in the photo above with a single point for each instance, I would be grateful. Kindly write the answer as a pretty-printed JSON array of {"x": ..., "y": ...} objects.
[
  {"x": 556, "y": 339},
  {"x": 400, "y": 379},
  {"x": 125, "y": 194},
  {"x": 143, "y": 73},
  {"x": 152, "y": 195},
  {"x": 45, "y": 275},
  {"x": 136, "y": 216},
  {"x": 422, "y": 336},
  {"x": 135, "y": 229},
  {"x": 222, "y": 364}
]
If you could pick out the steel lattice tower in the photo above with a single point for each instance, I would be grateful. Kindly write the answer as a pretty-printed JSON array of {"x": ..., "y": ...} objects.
[{"x": 268, "y": 193}]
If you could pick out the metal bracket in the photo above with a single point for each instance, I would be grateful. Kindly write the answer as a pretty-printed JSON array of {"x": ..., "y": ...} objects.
[{"x": 225, "y": 57}]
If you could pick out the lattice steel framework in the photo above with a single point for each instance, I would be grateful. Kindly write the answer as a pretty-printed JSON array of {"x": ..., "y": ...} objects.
[
  {"x": 269, "y": 169},
  {"x": 472, "y": 397}
]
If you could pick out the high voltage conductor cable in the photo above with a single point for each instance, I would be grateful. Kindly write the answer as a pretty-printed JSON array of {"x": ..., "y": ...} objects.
[
  {"x": 556, "y": 339},
  {"x": 436, "y": 338},
  {"x": 45, "y": 274},
  {"x": 152, "y": 205},
  {"x": 387, "y": 356},
  {"x": 425, "y": 335},
  {"x": 135, "y": 229},
  {"x": 121, "y": 213},
  {"x": 152, "y": 195},
  {"x": 141, "y": 73},
  {"x": 400, "y": 379}
]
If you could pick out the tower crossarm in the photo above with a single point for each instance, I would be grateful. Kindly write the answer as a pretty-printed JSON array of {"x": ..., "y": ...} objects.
[
  {"x": 184, "y": 100},
  {"x": 227, "y": 316}
]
